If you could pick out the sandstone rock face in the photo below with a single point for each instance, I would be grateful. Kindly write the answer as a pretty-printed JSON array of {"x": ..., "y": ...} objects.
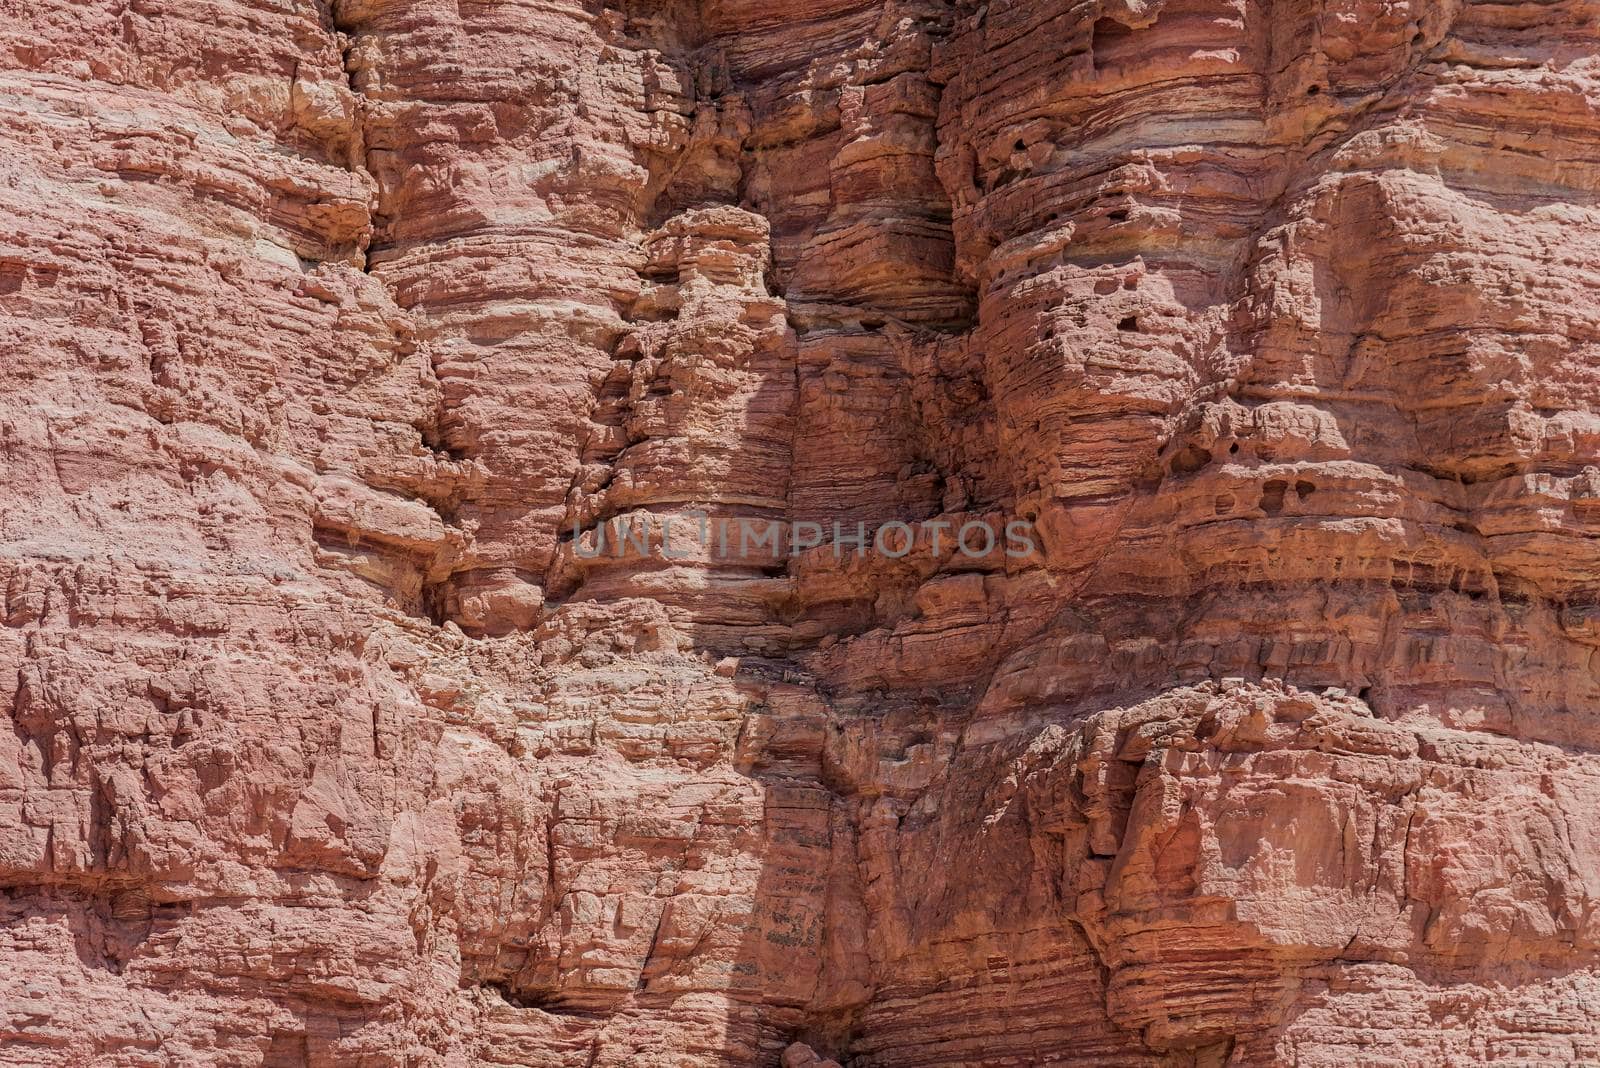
[{"x": 341, "y": 332}]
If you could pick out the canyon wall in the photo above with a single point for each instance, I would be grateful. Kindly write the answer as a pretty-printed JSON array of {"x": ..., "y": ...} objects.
[{"x": 338, "y": 331}]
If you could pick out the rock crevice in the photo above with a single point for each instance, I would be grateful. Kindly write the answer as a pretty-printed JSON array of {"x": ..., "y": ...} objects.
[{"x": 343, "y": 333}]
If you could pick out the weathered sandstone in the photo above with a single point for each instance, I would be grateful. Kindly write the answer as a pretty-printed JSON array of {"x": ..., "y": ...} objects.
[{"x": 337, "y": 330}]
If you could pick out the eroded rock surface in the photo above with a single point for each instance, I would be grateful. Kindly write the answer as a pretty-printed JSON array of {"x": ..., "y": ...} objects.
[{"x": 338, "y": 331}]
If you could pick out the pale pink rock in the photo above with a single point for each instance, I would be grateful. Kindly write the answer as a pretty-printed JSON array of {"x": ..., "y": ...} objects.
[{"x": 337, "y": 331}]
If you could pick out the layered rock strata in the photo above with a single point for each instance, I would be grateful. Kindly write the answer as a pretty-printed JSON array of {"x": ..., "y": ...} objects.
[{"x": 341, "y": 333}]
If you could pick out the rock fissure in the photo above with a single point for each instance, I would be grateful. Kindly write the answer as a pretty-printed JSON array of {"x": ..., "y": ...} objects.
[{"x": 338, "y": 328}]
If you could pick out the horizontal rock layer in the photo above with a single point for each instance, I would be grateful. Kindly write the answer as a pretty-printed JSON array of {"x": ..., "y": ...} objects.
[{"x": 342, "y": 333}]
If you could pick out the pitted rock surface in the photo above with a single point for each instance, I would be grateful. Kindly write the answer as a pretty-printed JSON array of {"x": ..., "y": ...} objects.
[{"x": 337, "y": 330}]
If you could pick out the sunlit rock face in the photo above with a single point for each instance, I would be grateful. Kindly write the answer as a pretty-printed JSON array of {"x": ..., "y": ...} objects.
[{"x": 365, "y": 356}]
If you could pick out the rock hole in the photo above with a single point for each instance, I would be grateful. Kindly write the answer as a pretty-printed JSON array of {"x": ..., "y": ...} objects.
[
  {"x": 1272, "y": 496},
  {"x": 1233, "y": 449},
  {"x": 1120, "y": 215},
  {"x": 1189, "y": 459},
  {"x": 652, "y": 314},
  {"x": 1313, "y": 90},
  {"x": 1304, "y": 489},
  {"x": 1106, "y": 31},
  {"x": 1020, "y": 146},
  {"x": 526, "y": 999},
  {"x": 872, "y": 324},
  {"x": 1129, "y": 324}
]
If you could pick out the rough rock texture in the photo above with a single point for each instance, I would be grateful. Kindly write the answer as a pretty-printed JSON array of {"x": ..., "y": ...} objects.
[{"x": 334, "y": 329}]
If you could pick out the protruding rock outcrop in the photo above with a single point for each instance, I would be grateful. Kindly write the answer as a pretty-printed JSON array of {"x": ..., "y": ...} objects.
[{"x": 386, "y": 688}]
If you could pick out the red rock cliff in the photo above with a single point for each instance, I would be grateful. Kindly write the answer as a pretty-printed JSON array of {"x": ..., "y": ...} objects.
[{"x": 336, "y": 331}]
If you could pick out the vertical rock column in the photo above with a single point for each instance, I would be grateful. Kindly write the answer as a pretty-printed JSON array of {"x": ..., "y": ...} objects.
[
  {"x": 685, "y": 498},
  {"x": 508, "y": 146}
]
